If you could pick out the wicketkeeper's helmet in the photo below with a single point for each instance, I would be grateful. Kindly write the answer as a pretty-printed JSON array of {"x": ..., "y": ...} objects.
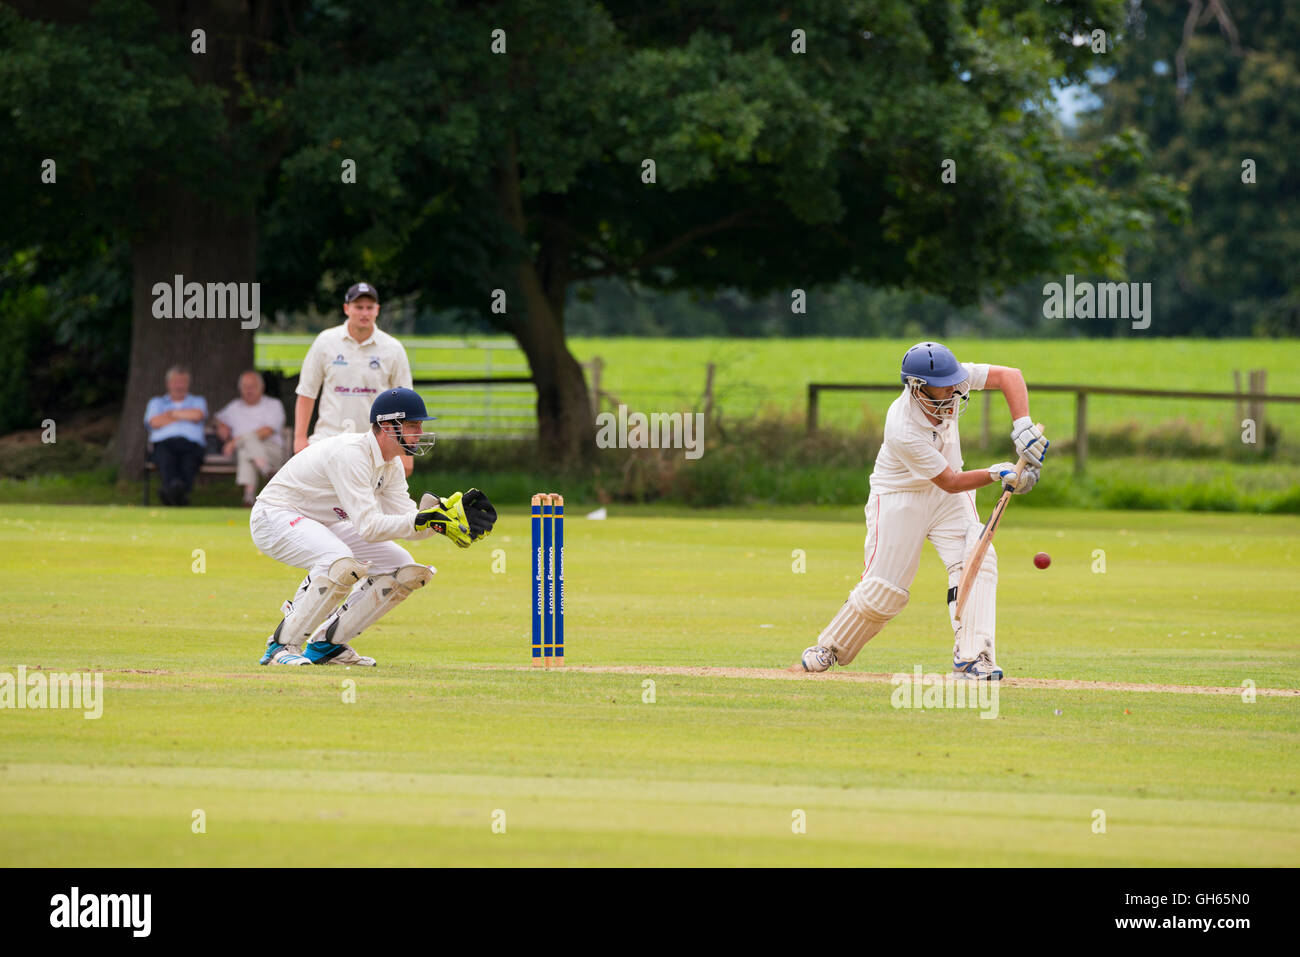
[{"x": 396, "y": 406}]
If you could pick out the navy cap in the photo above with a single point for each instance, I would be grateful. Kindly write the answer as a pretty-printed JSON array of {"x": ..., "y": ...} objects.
[{"x": 359, "y": 289}]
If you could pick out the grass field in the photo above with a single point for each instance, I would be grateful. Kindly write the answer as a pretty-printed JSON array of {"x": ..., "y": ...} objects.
[
  {"x": 450, "y": 730},
  {"x": 754, "y": 374}
]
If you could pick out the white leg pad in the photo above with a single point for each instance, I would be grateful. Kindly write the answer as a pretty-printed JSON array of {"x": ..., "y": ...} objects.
[
  {"x": 870, "y": 607},
  {"x": 377, "y": 596},
  {"x": 976, "y": 632},
  {"x": 317, "y": 598}
]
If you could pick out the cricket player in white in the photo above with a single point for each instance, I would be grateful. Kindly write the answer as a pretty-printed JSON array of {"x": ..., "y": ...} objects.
[
  {"x": 348, "y": 366},
  {"x": 919, "y": 492},
  {"x": 334, "y": 510}
]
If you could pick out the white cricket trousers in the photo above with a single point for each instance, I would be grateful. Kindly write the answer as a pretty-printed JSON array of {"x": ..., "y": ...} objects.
[
  {"x": 899, "y": 523},
  {"x": 296, "y": 540}
]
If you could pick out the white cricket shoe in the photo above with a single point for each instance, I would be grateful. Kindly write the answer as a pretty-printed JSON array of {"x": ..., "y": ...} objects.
[
  {"x": 980, "y": 669},
  {"x": 325, "y": 653},
  {"x": 278, "y": 654},
  {"x": 818, "y": 659}
]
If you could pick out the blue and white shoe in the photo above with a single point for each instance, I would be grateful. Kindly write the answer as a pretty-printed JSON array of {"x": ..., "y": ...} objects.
[
  {"x": 327, "y": 653},
  {"x": 980, "y": 669},
  {"x": 278, "y": 654},
  {"x": 818, "y": 659}
]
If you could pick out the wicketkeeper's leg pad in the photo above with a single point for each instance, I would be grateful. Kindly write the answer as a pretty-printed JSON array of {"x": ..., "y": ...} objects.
[
  {"x": 316, "y": 599},
  {"x": 377, "y": 596},
  {"x": 870, "y": 607},
  {"x": 976, "y": 632}
]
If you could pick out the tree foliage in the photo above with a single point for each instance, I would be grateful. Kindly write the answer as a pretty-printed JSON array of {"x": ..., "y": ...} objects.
[
  {"x": 800, "y": 147},
  {"x": 1213, "y": 85}
]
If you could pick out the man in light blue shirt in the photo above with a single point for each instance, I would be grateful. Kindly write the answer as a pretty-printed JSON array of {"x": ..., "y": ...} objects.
[{"x": 176, "y": 423}]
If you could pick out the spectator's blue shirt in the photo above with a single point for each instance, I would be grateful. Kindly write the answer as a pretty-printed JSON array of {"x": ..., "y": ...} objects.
[{"x": 173, "y": 430}]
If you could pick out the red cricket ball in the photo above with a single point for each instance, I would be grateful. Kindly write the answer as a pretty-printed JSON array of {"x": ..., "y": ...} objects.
[{"x": 1042, "y": 559}]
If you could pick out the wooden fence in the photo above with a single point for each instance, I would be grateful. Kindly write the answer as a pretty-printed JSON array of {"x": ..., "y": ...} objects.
[{"x": 1257, "y": 402}]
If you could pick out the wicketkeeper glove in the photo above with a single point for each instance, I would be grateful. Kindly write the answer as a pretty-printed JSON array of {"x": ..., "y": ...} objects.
[
  {"x": 447, "y": 517},
  {"x": 1029, "y": 441},
  {"x": 480, "y": 512},
  {"x": 1005, "y": 472}
]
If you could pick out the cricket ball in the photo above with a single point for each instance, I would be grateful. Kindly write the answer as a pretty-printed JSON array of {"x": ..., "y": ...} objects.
[{"x": 1042, "y": 559}]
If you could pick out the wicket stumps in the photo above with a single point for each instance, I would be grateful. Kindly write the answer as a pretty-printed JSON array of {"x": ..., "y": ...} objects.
[{"x": 548, "y": 580}]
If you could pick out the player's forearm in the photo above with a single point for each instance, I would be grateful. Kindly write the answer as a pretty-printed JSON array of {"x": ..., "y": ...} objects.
[
  {"x": 1016, "y": 393},
  {"x": 302, "y": 410},
  {"x": 969, "y": 481}
]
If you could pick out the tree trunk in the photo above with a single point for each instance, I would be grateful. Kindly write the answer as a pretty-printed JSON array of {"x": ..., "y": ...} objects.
[
  {"x": 195, "y": 236},
  {"x": 204, "y": 243},
  {"x": 566, "y": 433}
]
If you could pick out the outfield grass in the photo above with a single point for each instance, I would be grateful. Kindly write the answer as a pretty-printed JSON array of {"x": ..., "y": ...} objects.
[
  {"x": 756, "y": 374},
  {"x": 443, "y": 735}
]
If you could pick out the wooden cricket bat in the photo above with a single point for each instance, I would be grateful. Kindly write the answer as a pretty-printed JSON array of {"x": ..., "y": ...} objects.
[{"x": 976, "y": 559}]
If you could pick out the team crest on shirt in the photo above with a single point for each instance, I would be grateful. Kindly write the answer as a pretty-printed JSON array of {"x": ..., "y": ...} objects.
[
  {"x": 340, "y": 513},
  {"x": 374, "y": 363},
  {"x": 339, "y": 360}
]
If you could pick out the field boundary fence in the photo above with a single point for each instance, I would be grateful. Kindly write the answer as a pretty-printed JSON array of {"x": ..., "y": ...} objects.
[
  {"x": 1257, "y": 402},
  {"x": 478, "y": 388}
]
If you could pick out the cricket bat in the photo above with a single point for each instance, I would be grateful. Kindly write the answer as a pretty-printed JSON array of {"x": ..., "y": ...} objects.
[{"x": 976, "y": 559}]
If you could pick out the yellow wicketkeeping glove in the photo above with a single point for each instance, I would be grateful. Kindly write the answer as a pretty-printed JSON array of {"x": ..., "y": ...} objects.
[{"x": 446, "y": 517}]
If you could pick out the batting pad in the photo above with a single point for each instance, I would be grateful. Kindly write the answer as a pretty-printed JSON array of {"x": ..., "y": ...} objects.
[
  {"x": 975, "y": 633},
  {"x": 870, "y": 607},
  {"x": 379, "y": 595},
  {"x": 317, "y": 598}
]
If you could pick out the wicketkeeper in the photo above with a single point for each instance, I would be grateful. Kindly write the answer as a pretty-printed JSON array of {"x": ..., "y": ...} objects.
[
  {"x": 919, "y": 492},
  {"x": 334, "y": 510}
]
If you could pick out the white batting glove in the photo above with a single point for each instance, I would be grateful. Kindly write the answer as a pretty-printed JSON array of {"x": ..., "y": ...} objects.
[
  {"x": 1005, "y": 472},
  {"x": 1028, "y": 479},
  {"x": 1029, "y": 441}
]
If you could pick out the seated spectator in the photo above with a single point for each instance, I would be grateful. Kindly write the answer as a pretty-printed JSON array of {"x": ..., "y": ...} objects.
[
  {"x": 175, "y": 423},
  {"x": 250, "y": 428}
]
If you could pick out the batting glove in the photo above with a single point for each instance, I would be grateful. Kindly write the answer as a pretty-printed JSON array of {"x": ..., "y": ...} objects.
[
  {"x": 1005, "y": 472},
  {"x": 1029, "y": 440}
]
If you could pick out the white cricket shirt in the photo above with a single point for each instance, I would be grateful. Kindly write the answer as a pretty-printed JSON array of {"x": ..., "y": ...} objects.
[
  {"x": 915, "y": 450},
  {"x": 345, "y": 478},
  {"x": 348, "y": 375}
]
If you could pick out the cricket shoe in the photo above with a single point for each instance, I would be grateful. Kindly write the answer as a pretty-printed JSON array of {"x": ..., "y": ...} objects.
[
  {"x": 278, "y": 654},
  {"x": 326, "y": 653},
  {"x": 979, "y": 669},
  {"x": 818, "y": 659}
]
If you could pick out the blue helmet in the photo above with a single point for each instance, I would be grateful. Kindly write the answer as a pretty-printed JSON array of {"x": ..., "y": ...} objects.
[
  {"x": 402, "y": 405},
  {"x": 929, "y": 364},
  {"x": 933, "y": 364}
]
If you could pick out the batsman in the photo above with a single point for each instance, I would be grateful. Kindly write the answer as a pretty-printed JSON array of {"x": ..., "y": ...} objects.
[
  {"x": 335, "y": 509},
  {"x": 919, "y": 492}
]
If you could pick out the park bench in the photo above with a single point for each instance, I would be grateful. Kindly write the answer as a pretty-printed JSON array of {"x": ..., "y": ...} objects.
[{"x": 213, "y": 464}]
